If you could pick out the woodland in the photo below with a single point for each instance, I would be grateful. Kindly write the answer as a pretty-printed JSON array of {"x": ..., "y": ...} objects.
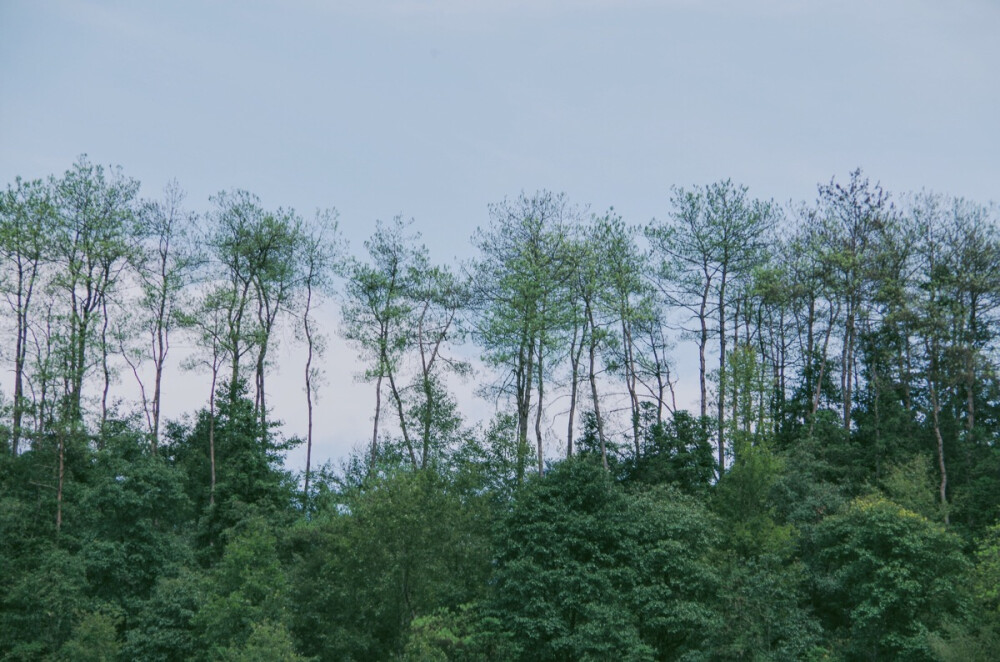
[{"x": 832, "y": 494}]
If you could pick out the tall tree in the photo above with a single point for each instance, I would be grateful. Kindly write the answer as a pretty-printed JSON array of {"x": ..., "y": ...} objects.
[
  {"x": 255, "y": 252},
  {"x": 208, "y": 319},
  {"x": 321, "y": 255},
  {"x": 441, "y": 299},
  {"x": 627, "y": 304},
  {"x": 716, "y": 234},
  {"x": 26, "y": 216},
  {"x": 855, "y": 217},
  {"x": 165, "y": 266},
  {"x": 517, "y": 277},
  {"x": 93, "y": 239},
  {"x": 377, "y": 314}
]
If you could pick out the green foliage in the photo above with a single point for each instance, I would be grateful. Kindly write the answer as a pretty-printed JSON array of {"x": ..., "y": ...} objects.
[
  {"x": 163, "y": 627},
  {"x": 250, "y": 477},
  {"x": 883, "y": 578},
  {"x": 857, "y": 355},
  {"x": 462, "y": 635},
  {"x": 911, "y": 485},
  {"x": 128, "y": 513},
  {"x": 743, "y": 498},
  {"x": 95, "y": 639},
  {"x": 247, "y": 588},
  {"x": 977, "y": 636},
  {"x": 267, "y": 643},
  {"x": 585, "y": 571},
  {"x": 41, "y": 605},
  {"x": 808, "y": 489},
  {"x": 678, "y": 452},
  {"x": 400, "y": 547},
  {"x": 766, "y": 612}
]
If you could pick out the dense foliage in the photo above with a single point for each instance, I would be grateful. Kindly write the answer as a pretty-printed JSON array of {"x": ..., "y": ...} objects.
[{"x": 835, "y": 497}]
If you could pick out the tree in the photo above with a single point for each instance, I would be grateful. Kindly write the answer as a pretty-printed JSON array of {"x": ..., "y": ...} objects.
[
  {"x": 320, "y": 261},
  {"x": 257, "y": 272},
  {"x": 587, "y": 571},
  {"x": 378, "y": 311},
  {"x": 92, "y": 242},
  {"x": 716, "y": 234},
  {"x": 402, "y": 547},
  {"x": 517, "y": 280},
  {"x": 883, "y": 578},
  {"x": 248, "y": 597},
  {"x": 855, "y": 218},
  {"x": 208, "y": 320},
  {"x": 441, "y": 299},
  {"x": 26, "y": 218},
  {"x": 165, "y": 267}
]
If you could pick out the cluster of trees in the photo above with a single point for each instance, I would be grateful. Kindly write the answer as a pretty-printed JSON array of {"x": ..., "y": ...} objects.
[{"x": 835, "y": 496}]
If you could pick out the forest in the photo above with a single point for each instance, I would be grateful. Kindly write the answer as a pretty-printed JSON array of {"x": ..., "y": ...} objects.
[{"x": 832, "y": 494}]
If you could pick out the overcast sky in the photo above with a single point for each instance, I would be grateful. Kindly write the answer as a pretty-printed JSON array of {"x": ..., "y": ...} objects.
[{"x": 434, "y": 109}]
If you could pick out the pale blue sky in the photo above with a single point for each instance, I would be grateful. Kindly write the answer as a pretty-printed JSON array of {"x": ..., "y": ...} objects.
[{"x": 434, "y": 109}]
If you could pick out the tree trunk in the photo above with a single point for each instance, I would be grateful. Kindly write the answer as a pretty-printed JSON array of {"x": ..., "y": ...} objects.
[
  {"x": 630, "y": 382},
  {"x": 575, "y": 350},
  {"x": 309, "y": 401},
  {"x": 538, "y": 412},
  {"x": 847, "y": 366},
  {"x": 819, "y": 379},
  {"x": 703, "y": 342},
  {"x": 62, "y": 473},
  {"x": 524, "y": 376},
  {"x": 106, "y": 371},
  {"x": 211, "y": 436},
  {"x": 943, "y": 486},
  {"x": 378, "y": 411},
  {"x": 721, "y": 408},
  {"x": 20, "y": 352},
  {"x": 402, "y": 418},
  {"x": 593, "y": 387}
]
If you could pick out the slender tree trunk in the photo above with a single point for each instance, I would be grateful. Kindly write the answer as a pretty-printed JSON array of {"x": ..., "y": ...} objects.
[
  {"x": 378, "y": 411},
  {"x": 575, "y": 351},
  {"x": 847, "y": 366},
  {"x": 106, "y": 371},
  {"x": 662, "y": 377},
  {"x": 261, "y": 401},
  {"x": 20, "y": 352},
  {"x": 25, "y": 287},
  {"x": 429, "y": 413},
  {"x": 943, "y": 486},
  {"x": 721, "y": 408},
  {"x": 673, "y": 394},
  {"x": 161, "y": 345},
  {"x": 525, "y": 372},
  {"x": 133, "y": 366},
  {"x": 402, "y": 418},
  {"x": 970, "y": 370},
  {"x": 211, "y": 435},
  {"x": 158, "y": 364},
  {"x": 630, "y": 382},
  {"x": 819, "y": 379},
  {"x": 62, "y": 473},
  {"x": 702, "y": 344},
  {"x": 538, "y": 411},
  {"x": 309, "y": 402},
  {"x": 810, "y": 345},
  {"x": 593, "y": 387},
  {"x": 735, "y": 399}
]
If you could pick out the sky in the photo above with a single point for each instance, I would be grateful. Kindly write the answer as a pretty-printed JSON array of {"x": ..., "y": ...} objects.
[{"x": 434, "y": 109}]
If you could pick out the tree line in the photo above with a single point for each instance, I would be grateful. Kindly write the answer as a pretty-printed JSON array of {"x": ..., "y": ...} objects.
[{"x": 834, "y": 496}]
